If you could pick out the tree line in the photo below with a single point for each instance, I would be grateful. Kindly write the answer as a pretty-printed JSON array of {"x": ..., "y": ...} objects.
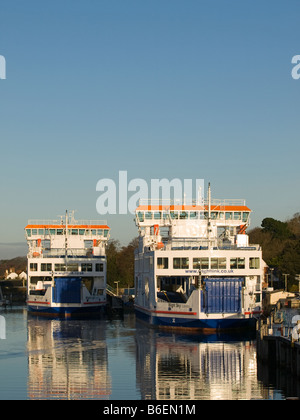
[
  {"x": 120, "y": 263},
  {"x": 280, "y": 242}
]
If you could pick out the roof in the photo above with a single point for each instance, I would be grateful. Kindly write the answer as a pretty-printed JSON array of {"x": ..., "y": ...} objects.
[
  {"x": 192, "y": 208},
  {"x": 69, "y": 227}
]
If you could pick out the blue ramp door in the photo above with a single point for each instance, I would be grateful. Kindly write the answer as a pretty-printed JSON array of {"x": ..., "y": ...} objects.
[
  {"x": 67, "y": 290},
  {"x": 222, "y": 295}
]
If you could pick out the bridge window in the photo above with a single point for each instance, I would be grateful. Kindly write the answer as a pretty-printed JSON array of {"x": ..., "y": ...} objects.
[
  {"x": 228, "y": 215},
  {"x": 140, "y": 216},
  {"x": 245, "y": 216},
  {"x": 183, "y": 215},
  {"x": 237, "y": 215}
]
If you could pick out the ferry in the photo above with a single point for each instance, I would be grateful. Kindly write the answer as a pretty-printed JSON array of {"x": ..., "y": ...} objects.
[
  {"x": 194, "y": 266},
  {"x": 66, "y": 273}
]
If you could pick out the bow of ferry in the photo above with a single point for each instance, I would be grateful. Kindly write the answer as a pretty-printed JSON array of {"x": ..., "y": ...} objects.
[
  {"x": 195, "y": 268},
  {"x": 66, "y": 267}
]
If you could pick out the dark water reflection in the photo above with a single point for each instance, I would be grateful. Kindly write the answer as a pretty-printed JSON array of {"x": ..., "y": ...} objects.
[{"x": 121, "y": 359}]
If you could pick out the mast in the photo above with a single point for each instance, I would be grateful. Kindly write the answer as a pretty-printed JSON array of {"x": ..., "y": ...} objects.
[
  {"x": 209, "y": 215},
  {"x": 66, "y": 237}
]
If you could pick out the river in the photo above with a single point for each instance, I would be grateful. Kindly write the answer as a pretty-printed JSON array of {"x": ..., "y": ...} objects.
[{"x": 120, "y": 359}]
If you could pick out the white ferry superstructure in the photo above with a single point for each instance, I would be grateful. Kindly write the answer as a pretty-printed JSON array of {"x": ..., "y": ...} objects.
[
  {"x": 195, "y": 269},
  {"x": 66, "y": 267}
]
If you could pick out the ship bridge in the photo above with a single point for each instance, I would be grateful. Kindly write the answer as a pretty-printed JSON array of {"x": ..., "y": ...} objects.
[
  {"x": 211, "y": 223},
  {"x": 54, "y": 238}
]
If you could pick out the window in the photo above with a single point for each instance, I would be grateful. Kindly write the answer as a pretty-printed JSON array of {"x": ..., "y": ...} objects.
[
  {"x": 59, "y": 231},
  {"x": 87, "y": 267},
  {"x": 28, "y": 232},
  {"x": 157, "y": 215},
  {"x": 81, "y": 231},
  {"x": 105, "y": 233},
  {"x": 236, "y": 263},
  {"x": 218, "y": 263},
  {"x": 140, "y": 215},
  {"x": 245, "y": 216},
  {"x": 46, "y": 267},
  {"x": 193, "y": 215},
  {"x": 148, "y": 215},
  {"x": 174, "y": 214},
  {"x": 34, "y": 231},
  {"x": 254, "y": 262},
  {"x": 163, "y": 263},
  {"x": 100, "y": 232},
  {"x": 72, "y": 267},
  {"x": 33, "y": 266},
  {"x": 183, "y": 215},
  {"x": 60, "y": 267},
  {"x": 99, "y": 267},
  {"x": 201, "y": 263},
  {"x": 228, "y": 215},
  {"x": 237, "y": 215},
  {"x": 74, "y": 232},
  {"x": 52, "y": 231},
  {"x": 41, "y": 231},
  {"x": 180, "y": 263}
]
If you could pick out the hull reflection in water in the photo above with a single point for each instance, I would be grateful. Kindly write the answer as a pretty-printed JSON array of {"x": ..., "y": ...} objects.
[
  {"x": 67, "y": 360},
  {"x": 173, "y": 366}
]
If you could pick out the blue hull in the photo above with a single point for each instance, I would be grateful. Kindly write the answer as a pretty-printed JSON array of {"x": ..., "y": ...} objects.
[
  {"x": 66, "y": 312},
  {"x": 205, "y": 325}
]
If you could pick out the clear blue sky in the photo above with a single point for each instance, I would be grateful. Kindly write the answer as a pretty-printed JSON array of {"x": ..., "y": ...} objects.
[{"x": 160, "y": 88}]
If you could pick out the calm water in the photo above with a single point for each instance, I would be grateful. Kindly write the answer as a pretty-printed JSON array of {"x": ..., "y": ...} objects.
[{"x": 122, "y": 360}]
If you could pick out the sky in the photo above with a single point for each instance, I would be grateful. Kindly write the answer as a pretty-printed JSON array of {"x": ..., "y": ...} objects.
[{"x": 192, "y": 89}]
